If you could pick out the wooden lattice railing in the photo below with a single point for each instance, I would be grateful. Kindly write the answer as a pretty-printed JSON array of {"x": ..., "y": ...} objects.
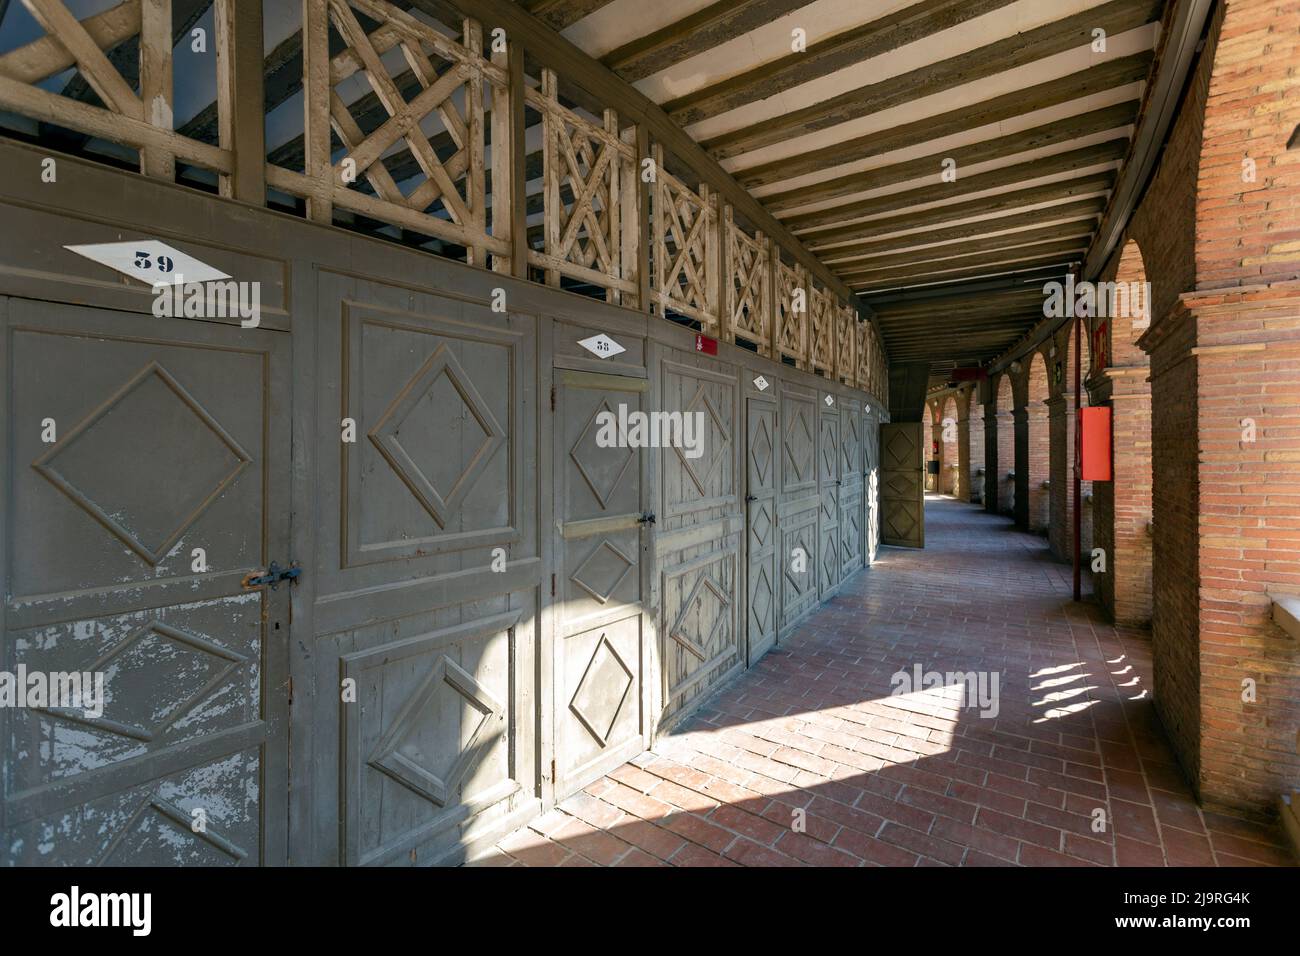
[
  {"x": 821, "y": 331},
  {"x": 413, "y": 154},
  {"x": 748, "y": 312},
  {"x": 442, "y": 198},
  {"x": 141, "y": 120},
  {"x": 684, "y": 230},
  {"x": 589, "y": 201}
]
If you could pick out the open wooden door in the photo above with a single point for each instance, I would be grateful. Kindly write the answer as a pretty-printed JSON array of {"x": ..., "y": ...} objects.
[{"x": 902, "y": 488}]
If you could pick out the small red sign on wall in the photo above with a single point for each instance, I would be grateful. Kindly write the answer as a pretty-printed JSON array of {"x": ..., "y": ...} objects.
[
  {"x": 706, "y": 345},
  {"x": 1094, "y": 443}
]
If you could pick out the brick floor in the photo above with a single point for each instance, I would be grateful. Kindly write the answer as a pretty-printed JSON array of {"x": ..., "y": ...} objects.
[{"x": 808, "y": 759}]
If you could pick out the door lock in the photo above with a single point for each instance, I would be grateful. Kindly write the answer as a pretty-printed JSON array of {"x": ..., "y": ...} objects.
[
  {"x": 272, "y": 576},
  {"x": 646, "y": 518}
]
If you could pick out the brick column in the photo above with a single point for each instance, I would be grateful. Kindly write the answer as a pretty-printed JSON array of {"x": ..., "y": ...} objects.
[
  {"x": 993, "y": 468},
  {"x": 1225, "y": 429},
  {"x": 1059, "y": 528},
  {"x": 961, "y": 485},
  {"x": 1020, "y": 420},
  {"x": 1122, "y": 506}
]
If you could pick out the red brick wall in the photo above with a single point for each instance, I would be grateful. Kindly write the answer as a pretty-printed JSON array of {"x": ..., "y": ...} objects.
[
  {"x": 1004, "y": 439},
  {"x": 975, "y": 459},
  {"x": 1227, "y": 511},
  {"x": 1038, "y": 450}
]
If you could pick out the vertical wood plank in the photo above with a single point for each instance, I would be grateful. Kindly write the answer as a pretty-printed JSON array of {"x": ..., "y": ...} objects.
[
  {"x": 240, "y": 124},
  {"x": 552, "y": 130},
  {"x": 613, "y": 205},
  {"x": 475, "y": 187},
  {"x": 156, "y": 83},
  {"x": 658, "y": 219},
  {"x": 316, "y": 108},
  {"x": 632, "y": 244},
  {"x": 727, "y": 282},
  {"x": 509, "y": 197}
]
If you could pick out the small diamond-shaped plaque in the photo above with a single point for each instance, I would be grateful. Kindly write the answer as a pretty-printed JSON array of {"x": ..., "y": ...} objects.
[
  {"x": 601, "y": 346},
  {"x": 829, "y": 400},
  {"x": 761, "y": 384}
]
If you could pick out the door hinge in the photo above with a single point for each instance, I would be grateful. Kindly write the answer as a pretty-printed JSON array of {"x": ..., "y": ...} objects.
[
  {"x": 291, "y": 691},
  {"x": 552, "y": 398},
  {"x": 552, "y": 770},
  {"x": 552, "y": 585}
]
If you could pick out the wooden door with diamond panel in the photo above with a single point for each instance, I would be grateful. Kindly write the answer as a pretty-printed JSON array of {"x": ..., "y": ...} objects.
[
  {"x": 147, "y": 476},
  {"x": 851, "y": 519},
  {"x": 760, "y": 525},
  {"x": 601, "y": 556},
  {"x": 902, "y": 485},
  {"x": 798, "y": 503}
]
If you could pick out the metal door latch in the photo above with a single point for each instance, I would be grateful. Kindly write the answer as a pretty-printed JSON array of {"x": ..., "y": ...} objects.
[
  {"x": 647, "y": 518},
  {"x": 751, "y": 497},
  {"x": 272, "y": 576}
]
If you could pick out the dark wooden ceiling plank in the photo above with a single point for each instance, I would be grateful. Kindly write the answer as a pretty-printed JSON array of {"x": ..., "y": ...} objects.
[
  {"x": 1082, "y": 158},
  {"x": 827, "y": 56},
  {"x": 1115, "y": 17},
  {"x": 561, "y": 14},
  {"x": 974, "y": 273},
  {"x": 1068, "y": 88},
  {"x": 1075, "y": 227},
  {"x": 984, "y": 257},
  {"x": 698, "y": 33},
  {"x": 971, "y": 230}
]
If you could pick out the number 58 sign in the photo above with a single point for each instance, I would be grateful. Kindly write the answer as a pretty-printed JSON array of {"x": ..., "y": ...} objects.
[{"x": 150, "y": 261}]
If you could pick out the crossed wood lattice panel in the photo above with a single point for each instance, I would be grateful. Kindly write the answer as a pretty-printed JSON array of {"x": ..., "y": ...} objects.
[
  {"x": 589, "y": 200},
  {"x": 747, "y": 311},
  {"x": 101, "y": 48},
  {"x": 685, "y": 229},
  {"x": 862, "y": 369},
  {"x": 422, "y": 168},
  {"x": 846, "y": 344},
  {"x": 791, "y": 313},
  {"x": 821, "y": 316}
]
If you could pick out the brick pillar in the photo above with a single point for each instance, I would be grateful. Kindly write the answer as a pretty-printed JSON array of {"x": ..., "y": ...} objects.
[
  {"x": 1122, "y": 507},
  {"x": 992, "y": 466},
  {"x": 961, "y": 483},
  {"x": 975, "y": 460},
  {"x": 1227, "y": 535},
  {"x": 1059, "y": 527},
  {"x": 1020, "y": 503},
  {"x": 1039, "y": 459}
]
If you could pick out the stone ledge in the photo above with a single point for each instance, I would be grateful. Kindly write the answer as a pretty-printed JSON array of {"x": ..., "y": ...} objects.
[{"x": 1286, "y": 613}]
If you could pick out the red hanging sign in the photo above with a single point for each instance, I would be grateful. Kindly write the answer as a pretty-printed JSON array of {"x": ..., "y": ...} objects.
[{"x": 706, "y": 345}]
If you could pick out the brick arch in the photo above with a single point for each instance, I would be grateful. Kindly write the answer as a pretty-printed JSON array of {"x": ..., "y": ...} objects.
[
  {"x": 948, "y": 454},
  {"x": 1004, "y": 404},
  {"x": 972, "y": 439},
  {"x": 1123, "y": 332}
]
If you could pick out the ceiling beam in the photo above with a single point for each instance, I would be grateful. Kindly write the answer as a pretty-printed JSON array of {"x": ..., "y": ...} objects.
[
  {"x": 1077, "y": 228},
  {"x": 1075, "y": 86},
  {"x": 1117, "y": 16},
  {"x": 983, "y": 257},
  {"x": 1072, "y": 128},
  {"x": 1107, "y": 152},
  {"x": 560, "y": 14},
  {"x": 1015, "y": 227},
  {"x": 1063, "y": 261},
  {"x": 953, "y": 292},
  {"x": 695, "y": 34},
  {"x": 836, "y": 52}
]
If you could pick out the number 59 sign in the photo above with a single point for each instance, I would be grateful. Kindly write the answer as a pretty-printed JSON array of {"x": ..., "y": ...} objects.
[{"x": 150, "y": 261}]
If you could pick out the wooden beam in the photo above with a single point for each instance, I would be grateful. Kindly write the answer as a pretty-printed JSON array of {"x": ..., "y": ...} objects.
[
  {"x": 1079, "y": 228},
  {"x": 971, "y": 235},
  {"x": 559, "y": 14},
  {"x": 1107, "y": 152},
  {"x": 316, "y": 110},
  {"x": 509, "y": 175},
  {"x": 46, "y": 56},
  {"x": 553, "y": 50},
  {"x": 1117, "y": 16},
  {"x": 156, "y": 85},
  {"x": 241, "y": 124},
  {"x": 102, "y": 76},
  {"x": 1066, "y": 130},
  {"x": 837, "y": 52},
  {"x": 991, "y": 268},
  {"x": 701, "y": 31},
  {"x": 1068, "y": 88}
]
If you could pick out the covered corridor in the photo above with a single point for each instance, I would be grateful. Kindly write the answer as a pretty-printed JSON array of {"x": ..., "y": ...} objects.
[{"x": 914, "y": 779}]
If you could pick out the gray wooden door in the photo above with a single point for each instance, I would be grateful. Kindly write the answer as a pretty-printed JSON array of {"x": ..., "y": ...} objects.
[
  {"x": 851, "y": 518},
  {"x": 415, "y": 706},
  {"x": 160, "y": 483},
  {"x": 902, "y": 490},
  {"x": 701, "y": 639},
  {"x": 798, "y": 503},
  {"x": 603, "y": 556},
  {"x": 761, "y": 444},
  {"x": 828, "y": 489}
]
